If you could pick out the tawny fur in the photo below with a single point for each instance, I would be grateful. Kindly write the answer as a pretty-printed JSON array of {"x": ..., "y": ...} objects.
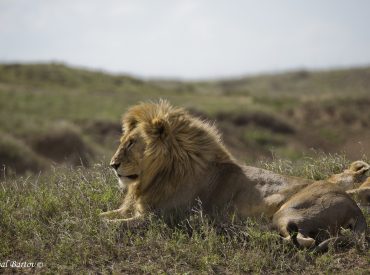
[
  {"x": 353, "y": 180},
  {"x": 317, "y": 212},
  {"x": 322, "y": 208},
  {"x": 168, "y": 160}
]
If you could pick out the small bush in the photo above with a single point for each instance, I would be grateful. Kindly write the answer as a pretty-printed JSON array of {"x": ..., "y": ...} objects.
[
  {"x": 62, "y": 142},
  {"x": 17, "y": 157}
]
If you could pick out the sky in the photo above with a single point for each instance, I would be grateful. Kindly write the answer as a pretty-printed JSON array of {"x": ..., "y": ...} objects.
[{"x": 187, "y": 39}]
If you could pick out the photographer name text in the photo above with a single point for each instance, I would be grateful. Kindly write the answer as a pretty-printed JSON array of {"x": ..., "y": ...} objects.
[{"x": 20, "y": 264}]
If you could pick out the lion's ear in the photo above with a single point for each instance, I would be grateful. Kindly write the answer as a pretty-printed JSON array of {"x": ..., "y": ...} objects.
[
  {"x": 157, "y": 128},
  {"x": 359, "y": 167}
]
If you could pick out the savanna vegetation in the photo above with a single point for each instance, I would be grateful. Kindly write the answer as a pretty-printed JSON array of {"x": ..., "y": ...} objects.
[{"x": 60, "y": 125}]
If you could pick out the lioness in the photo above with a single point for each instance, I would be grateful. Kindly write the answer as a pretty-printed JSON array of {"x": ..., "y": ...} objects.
[
  {"x": 167, "y": 159},
  {"x": 354, "y": 182}
]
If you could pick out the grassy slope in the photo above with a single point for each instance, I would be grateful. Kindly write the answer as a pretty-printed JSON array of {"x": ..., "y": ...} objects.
[
  {"x": 53, "y": 219},
  {"x": 327, "y": 110}
]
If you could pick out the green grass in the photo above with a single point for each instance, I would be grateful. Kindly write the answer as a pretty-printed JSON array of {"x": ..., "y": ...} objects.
[
  {"x": 326, "y": 110},
  {"x": 53, "y": 219},
  {"x": 263, "y": 137}
]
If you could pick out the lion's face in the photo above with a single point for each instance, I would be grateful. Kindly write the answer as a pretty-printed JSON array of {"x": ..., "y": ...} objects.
[{"x": 126, "y": 162}]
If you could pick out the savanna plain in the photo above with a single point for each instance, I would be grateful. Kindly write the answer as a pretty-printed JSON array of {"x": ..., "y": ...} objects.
[{"x": 60, "y": 125}]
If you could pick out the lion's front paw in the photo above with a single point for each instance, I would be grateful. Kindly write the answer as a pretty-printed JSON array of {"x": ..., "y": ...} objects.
[
  {"x": 111, "y": 215},
  {"x": 130, "y": 223}
]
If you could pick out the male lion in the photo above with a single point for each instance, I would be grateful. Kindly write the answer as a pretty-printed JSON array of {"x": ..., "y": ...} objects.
[{"x": 168, "y": 160}]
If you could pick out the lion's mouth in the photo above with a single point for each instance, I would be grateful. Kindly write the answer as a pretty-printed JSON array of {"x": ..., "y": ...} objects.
[{"x": 131, "y": 177}]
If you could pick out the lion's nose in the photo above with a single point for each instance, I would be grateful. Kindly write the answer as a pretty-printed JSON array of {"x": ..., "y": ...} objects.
[{"x": 114, "y": 165}]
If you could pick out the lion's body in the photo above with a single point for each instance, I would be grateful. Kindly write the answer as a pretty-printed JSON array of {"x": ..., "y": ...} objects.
[{"x": 170, "y": 159}]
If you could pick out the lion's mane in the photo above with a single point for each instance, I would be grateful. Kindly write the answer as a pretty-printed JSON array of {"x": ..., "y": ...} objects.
[{"x": 180, "y": 150}]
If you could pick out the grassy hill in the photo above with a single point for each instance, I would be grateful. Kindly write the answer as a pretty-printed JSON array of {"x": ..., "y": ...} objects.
[
  {"x": 65, "y": 122},
  {"x": 288, "y": 114}
]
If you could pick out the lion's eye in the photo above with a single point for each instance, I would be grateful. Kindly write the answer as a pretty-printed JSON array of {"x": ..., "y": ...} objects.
[{"x": 130, "y": 144}]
